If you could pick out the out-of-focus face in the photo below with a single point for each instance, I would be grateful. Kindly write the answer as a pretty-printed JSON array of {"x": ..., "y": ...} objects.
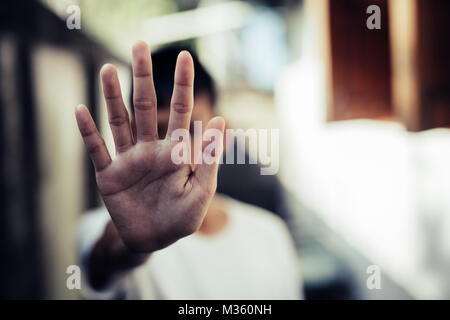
[{"x": 203, "y": 111}]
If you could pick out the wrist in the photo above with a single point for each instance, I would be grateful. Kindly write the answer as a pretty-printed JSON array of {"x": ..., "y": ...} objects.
[
  {"x": 110, "y": 257},
  {"x": 121, "y": 256}
]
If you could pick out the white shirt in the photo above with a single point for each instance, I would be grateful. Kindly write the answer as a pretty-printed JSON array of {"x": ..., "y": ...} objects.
[{"x": 252, "y": 257}]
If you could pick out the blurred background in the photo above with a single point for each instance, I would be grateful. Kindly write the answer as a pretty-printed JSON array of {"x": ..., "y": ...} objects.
[{"x": 364, "y": 119}]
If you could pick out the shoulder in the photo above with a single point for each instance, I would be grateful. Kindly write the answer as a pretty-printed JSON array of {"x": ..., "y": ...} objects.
[
  {"x": 271, "y": 235},
  {"x": 256, "y": 219},
  {"x": 91, "y": 226},
  {"x": 93, "y": 220}
]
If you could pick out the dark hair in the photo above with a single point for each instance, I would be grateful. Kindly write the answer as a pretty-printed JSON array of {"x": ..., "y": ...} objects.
[{"x": 164, "y": 61}]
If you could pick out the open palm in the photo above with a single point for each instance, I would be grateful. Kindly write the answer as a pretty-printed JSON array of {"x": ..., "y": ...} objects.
[{"x": 152, "y": 201}]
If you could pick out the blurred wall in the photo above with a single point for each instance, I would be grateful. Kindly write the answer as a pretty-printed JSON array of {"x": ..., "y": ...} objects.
[
  {"x": 59, "y": 79},
  {"x": 47, "y": 181}
]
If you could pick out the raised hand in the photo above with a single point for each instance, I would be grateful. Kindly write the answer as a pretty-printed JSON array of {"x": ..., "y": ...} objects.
[{"x": 152, "y": 201}]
